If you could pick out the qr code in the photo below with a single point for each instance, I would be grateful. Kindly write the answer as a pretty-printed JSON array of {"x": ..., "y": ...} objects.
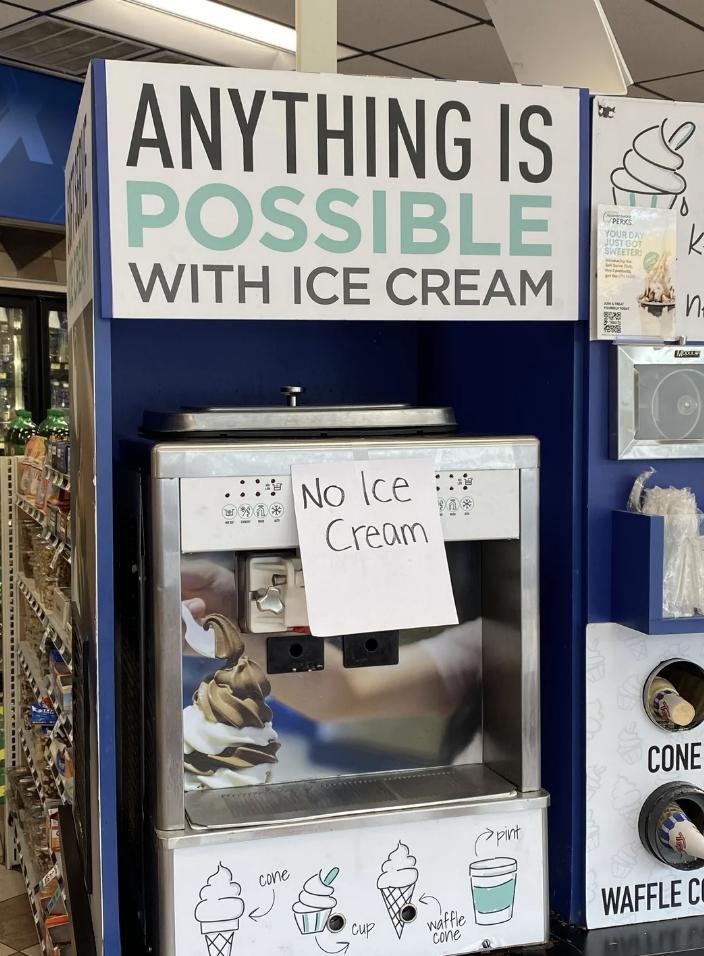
[{"x": 612, "y": 322}]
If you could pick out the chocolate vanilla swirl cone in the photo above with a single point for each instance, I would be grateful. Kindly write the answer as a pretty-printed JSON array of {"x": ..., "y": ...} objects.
[{"x": 228, "y": 738}]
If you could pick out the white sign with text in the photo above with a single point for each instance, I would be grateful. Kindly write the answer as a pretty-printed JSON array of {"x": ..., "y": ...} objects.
[
  {"x": 268, "y": 194},
  {"x": 372, "y": 546}
]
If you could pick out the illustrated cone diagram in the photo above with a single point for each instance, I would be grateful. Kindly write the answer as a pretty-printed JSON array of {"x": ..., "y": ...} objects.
[
  {"x": 666, "y": 704},
  {"x": 677, "y": 832},
  {"x": 396, "y": 884},
  {"x": 219, "y": 911},
  {"x": 315, "y": 902}
]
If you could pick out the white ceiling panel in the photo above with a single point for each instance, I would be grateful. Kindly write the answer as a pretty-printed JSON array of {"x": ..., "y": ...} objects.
[
  {"x": 373, "y": 66},
  {"x": 472, "y": 54},
  {"x": 10, "y": 15},
  {"x": 692, "y": 9},
  {"x": 653, "y": 42},
  {"x": 689, "y": 88},
  {"x": 162, "y": 29}
]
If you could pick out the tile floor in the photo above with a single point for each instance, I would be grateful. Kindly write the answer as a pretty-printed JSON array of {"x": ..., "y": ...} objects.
[{"x": 18, "y": 934}]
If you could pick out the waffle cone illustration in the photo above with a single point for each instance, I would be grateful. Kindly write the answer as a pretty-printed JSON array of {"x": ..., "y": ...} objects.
[
  {"x": 395, "y": 898},
  {"x": 396, "y": 884},
  {"x": 220, "y": 944}
]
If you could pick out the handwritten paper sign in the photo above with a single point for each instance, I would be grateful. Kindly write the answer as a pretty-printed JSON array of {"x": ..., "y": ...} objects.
[{"x": 372, "y": 546}]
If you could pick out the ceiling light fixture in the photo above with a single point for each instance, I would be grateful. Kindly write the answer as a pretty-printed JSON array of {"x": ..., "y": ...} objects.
[{"x": 227, "y": 19}]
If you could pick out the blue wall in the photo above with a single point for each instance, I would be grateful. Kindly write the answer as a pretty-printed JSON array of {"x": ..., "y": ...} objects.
[{"x": 37, "y": 114}]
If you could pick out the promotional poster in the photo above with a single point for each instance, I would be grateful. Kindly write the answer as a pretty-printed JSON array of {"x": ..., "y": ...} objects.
[{"x": 245, "y": 194}]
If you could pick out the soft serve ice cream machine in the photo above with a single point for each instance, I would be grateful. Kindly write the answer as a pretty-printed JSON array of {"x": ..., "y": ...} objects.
[{"x": 378, "y": 792}]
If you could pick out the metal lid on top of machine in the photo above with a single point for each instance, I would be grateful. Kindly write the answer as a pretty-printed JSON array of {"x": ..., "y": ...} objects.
[{"x": 216, "y": 422}]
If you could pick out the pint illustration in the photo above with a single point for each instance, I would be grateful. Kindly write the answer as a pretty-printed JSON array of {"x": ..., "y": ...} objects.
[{"x": 493, "y": 889}]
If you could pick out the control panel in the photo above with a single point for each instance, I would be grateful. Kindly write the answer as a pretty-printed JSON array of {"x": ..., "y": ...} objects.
[{"x": 231, "y": 514}]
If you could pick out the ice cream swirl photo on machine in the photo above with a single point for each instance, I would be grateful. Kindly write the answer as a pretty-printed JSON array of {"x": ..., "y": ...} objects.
[{"x": 228, "y": 738}]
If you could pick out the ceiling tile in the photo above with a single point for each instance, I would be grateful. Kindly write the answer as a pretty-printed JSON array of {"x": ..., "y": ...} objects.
[
  {"x": 689, "y": 88},
  {"x": 373, "y": 66},
  {"x": 637, "y": 93},
  {"x": 692, "y": 9},
  {"x": 653, "y": 42},
  {"x": 373, "y": 25},
  {"x": 10, "y": 14},
  {"x": 476, "y": 7},
  {"x": 472, "y": 54},
  {"x": 40, "y": 6},
  {"x": 283, "y": 11}
]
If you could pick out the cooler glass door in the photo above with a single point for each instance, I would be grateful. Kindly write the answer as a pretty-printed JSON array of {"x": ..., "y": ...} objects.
[{"x": 15, "y": 389}]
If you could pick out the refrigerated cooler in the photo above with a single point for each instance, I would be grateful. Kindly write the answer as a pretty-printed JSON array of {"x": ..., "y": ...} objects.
[
  {"x": 278, "y": 789},
  {"x": 33, "y": 356}
]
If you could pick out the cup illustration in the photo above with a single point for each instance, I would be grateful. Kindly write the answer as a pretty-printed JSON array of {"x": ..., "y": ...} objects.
[{"x": 493, "y": 889}]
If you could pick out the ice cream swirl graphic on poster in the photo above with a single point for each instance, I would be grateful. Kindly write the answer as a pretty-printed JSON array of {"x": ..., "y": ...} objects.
[
  {"x": 650, "y": 175},
  {"x": 636, "y": 252}
]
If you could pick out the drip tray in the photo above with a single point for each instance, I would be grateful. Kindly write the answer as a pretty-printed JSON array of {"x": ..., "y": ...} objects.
[{"x": 342, "y": 796}]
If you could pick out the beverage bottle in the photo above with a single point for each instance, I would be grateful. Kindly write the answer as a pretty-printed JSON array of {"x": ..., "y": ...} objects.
[
  {"x": 6, "y": 349},
  {"x": 5, "y": 406},
  {"x": 667, "y": 705},
  {"x": 20, "y": 431},
  {"x": 54, "y": 426}
]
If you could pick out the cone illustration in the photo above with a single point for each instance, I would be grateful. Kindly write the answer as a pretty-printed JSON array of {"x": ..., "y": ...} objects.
[
  {"x": 396, "y": 884},
  {"x": 396, "y": 897},
  {"x": 219, "y": 944},
  {"x": 677, "y": 832},
  {"x": 219, "y": 911}
]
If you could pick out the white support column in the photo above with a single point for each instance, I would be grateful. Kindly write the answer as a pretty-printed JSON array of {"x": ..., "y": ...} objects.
[{"x": 316, "y": 36}]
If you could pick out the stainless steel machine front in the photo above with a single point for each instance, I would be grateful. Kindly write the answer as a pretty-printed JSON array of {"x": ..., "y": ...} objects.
[{"x": 260, "y": 731}]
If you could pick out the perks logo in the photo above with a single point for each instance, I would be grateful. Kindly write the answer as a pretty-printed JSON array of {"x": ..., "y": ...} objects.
[{"x": 617, "y": 219}]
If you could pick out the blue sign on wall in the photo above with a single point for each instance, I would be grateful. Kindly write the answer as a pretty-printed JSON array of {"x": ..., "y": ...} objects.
[{"x": 37, "y": 114}]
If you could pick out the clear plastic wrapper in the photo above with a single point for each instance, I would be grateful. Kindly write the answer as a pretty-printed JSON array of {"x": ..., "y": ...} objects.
[{"x": 683, "y": 559}]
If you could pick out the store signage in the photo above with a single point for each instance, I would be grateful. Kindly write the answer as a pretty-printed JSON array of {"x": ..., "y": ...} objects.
[
  {"x": 647, "y": 155},
  {"x": 372, "y": 546},
  {"x": 255, "y": 194},
  {"x": 79, "y": 211}
]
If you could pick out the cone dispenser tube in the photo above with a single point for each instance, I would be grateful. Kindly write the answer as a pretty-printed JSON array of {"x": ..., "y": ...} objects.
[
  {"x": 671, "y": 825},
  {"x": 673, "y": 695}
]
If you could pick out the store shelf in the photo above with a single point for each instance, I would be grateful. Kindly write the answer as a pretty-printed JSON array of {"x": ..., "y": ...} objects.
[
  {"x": 58, "y": 544},
  {"x": 31, "y": 509},
  {"x": 29, "y": 874},
  {"x": 28, "y": 747},
  {"x": 57, "y": 478},
  {"x": 59, "y": 635},
  {"x": 65, "y": 797},
  {"x": 32, "y": 670},
  {"x": 41, "y": 685}
]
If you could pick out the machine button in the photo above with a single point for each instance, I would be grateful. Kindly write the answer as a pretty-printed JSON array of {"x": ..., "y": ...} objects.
[
  {"x": 453, "y": 505},
  {"x": 269, "y": 599},
  {"x": 276, "y": 510},
  {"x": 245, "y": 511},
  {"x": 441, "y": 505},
  {"x": 467, "y": 504},
  {"x": 229, "y": 512},
  {"x": 261, "y": 511}
]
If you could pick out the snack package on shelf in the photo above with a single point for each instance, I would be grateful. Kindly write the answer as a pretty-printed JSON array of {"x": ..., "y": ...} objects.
[
  {"x": 62, "y": 605},
  {"x": 52, "y": 831}
]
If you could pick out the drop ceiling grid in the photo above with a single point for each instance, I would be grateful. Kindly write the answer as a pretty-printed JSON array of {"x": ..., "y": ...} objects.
[{"x": 662, "y": 40}]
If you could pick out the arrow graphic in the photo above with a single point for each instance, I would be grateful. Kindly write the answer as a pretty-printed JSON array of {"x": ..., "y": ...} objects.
[
  {"x": 342, "y": 948},
  {"x": 255, "y": 914},
  {"x": 425, "y": 897},
  {"x": 488, "y": 833}
]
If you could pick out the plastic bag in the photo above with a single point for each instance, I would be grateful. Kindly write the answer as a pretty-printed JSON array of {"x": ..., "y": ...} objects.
[{"x": 683, "y": 561}]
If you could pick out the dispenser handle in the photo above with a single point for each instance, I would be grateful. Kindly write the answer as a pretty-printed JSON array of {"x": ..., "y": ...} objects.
[{"x": 292, "y": 393}]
